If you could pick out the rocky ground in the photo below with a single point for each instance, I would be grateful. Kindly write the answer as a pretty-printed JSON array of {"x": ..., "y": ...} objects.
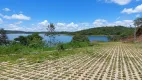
[{"x": 116, "y": 61}]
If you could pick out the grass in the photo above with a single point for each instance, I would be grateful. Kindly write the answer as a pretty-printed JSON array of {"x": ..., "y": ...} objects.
[
  {"x": 19, "y": 53},
  {"x": 112, "y": 60}
]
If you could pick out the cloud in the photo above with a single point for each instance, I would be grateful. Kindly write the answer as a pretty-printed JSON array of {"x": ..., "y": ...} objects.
[
  {"x": 126, "y": 23},
  {"x": 14, "y": 27},
  {"x": 6, "y": 9},
  {"x": 120, "y": 2},
  {"x": 66, "y": 27},
  {"x": 100, "y": 22},
  {"x": 16, "y": 16},
  {"x": 1, "y": 21},
  {"x": 19, "y": 22},
  {"x": 22, "y": 28},
  {"x": 138, "y": 15},
  {"x": 137, "y": 9},
  {"x": 103, "y": 22},
  {"x": 44, "y": 23},
  {"x": 71, "y": 27}
]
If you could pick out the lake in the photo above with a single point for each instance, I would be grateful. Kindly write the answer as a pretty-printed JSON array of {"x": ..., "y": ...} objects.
[{"x": 60, "y": 38}]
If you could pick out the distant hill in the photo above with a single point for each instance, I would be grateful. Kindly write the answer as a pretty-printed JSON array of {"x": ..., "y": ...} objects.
[
  {"x": 112, "y": 30},
  {"x": 20, "y": 32}
]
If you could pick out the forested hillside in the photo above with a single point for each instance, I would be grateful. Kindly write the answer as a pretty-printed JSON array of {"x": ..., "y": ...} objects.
[{"x": 116, "y": 30}]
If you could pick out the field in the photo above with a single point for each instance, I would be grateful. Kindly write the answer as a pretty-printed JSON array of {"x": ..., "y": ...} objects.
[{"x": 111, "y": 61}]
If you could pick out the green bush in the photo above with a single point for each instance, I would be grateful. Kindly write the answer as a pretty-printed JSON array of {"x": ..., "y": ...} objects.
[
  {"x": 114, "y": 37},
  {"x": 33, "y": 41},
  {"x": 12, "y": 49},
  {"x": 72, "y": 45},
  {"x": 60, "y": 47},
  {"x": 80, "y": 38},
  {"x": 3, "y": 37}
]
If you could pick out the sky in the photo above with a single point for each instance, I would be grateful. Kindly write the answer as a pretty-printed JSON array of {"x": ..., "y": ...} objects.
[{"x": 67, "y": 15}]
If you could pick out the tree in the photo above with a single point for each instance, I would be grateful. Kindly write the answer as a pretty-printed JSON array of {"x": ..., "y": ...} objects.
[
  {"x": 51, "y": 30},
  {"x": 138, "y": 22},
  {"x": 3, "y": 37},
  {"x": 33, "y": 40},
  {"x": 80, "y": 38},
  {"x": 22, "y": 40}
]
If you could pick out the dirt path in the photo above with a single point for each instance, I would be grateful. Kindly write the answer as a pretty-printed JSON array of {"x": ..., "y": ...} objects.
[{"x": 117, "y": 61}]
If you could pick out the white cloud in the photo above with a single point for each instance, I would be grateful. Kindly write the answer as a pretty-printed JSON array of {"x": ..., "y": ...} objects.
[
  {"x": 102, "y": 22},
  {"x": 22, "y": 28},
  {"x": 71, "y": 26},
  {"x": 138, "y": 15},
  {"x": 137, "y": 9},
  {"x": 44, "y": 23},
  {"x": 126, "y": 23},
  {"x": 6, "y": 9},
  {"x": 16, "y": 16},
  {"x": 14, "y": 27},
  {"x": 67, "y": 26},
  {"x": 1, "y": 21},
  {"x": 19, "y": 22},
  {"x": 120, "y": 2},
  {"x": 61, "y": 24}
]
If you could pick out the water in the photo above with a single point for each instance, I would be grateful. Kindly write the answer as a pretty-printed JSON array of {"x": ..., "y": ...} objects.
[
  {"x": 98, "y": 38},
  {"x": 60, "y": 38}
]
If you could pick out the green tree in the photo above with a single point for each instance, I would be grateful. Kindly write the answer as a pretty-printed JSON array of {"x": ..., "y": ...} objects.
[
  {"x": 33, "y": 40},
  {"x": 138, "y": 22},
  {"x": 51, "y": 30},
  {"x": 3, "y": 37},
  {"x": 22, "y": 40},
  {"x": 80, "y": 38}
]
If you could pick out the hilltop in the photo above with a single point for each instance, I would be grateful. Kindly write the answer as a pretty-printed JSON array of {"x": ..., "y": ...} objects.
[{"x": 108, "y": 30}]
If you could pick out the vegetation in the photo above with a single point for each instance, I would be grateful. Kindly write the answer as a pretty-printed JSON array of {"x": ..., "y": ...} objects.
[
  {"x": 3, "y": 37},
  {"x": 51, "y": 30},
  {"x": 114, "y": 33},
  {"x": 33, "y": 40},
  {"x": 112, "y": 30},
  {"x": 80, "y": 38},
  {"x": 138, "y": 22},
  {"x": 112, "y": 60},
  {"x": 34, "y": 44}
]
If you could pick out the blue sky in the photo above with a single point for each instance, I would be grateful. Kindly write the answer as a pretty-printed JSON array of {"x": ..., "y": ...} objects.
[{"x": 67, "y": 15}]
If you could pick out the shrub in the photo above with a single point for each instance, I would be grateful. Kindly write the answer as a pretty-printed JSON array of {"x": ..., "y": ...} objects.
[
  {"x": 60, "y": 47},
  {"x": 114, "y": 38},
  {"x": 33, "y": 41},
  {"x": 80, "y": 38},
  {"x": 3, "y": 37},
  {"x": 22, "y": 40}
]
